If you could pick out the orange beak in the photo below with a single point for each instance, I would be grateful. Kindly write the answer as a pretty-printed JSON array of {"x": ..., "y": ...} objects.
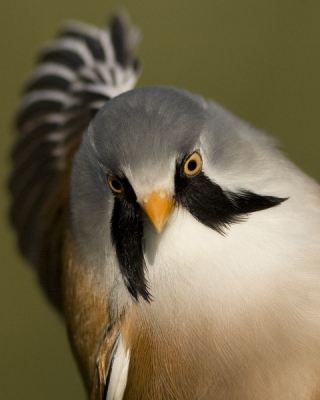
[{"x": 158, "y": 208}]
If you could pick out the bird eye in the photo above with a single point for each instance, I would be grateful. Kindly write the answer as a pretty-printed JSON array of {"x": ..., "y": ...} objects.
[
  {"x": 115, "y": 185},
  {"x": 192, "y": 165}
]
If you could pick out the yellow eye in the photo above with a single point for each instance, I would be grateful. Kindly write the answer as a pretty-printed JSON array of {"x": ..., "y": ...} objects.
[
  {"x": 115, "y": 185},
  {"x": 193, "y": 164}
]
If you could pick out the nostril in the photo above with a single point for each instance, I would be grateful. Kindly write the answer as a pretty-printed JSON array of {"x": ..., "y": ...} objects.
[
  {"x": 162, "y": 194},
  {"x": 146, "y": 198}
]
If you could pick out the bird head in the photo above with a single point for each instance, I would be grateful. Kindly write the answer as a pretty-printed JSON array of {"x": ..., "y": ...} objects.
[{"x": 149, "y": 152}]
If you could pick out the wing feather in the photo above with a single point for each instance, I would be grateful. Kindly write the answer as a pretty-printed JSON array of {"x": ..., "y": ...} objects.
[
  {"x": 117, "y": 372},
  {"x": 77, "y": 73}
]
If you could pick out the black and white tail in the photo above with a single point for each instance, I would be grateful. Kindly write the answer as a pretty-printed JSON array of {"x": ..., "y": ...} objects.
[{"x": 77, "y": 73}]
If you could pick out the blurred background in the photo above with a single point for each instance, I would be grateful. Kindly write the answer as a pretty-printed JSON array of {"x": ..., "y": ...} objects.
[{"x": 260, "y": 59}]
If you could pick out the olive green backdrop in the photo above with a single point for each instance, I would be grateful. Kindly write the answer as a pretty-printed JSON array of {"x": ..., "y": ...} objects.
[{"x": 261, "y": 59}]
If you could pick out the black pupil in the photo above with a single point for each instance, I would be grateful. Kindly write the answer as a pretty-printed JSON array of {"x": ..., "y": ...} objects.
[
  {"x": 192, "y": 165},
  {"x": 116, "y": 185}
]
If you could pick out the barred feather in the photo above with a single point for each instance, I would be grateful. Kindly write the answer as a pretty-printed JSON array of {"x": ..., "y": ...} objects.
[{"x": 77, "y": 73}]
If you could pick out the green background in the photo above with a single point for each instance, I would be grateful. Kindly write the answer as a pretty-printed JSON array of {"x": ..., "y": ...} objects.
[{"x": 260, "y": 59}]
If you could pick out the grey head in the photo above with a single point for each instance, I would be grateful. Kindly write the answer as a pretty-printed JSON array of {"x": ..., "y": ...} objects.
[{"x": 146, "y": 152}]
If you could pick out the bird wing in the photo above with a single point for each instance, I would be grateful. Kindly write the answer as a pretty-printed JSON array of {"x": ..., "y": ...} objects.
[
  {"x": 117, "y": 372},
  {"x": 77, "y": 73}
]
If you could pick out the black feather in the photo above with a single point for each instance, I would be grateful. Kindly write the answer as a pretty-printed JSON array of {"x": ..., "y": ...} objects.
[
  {"x": 216, "y": 208},
  {"x": 127, "y": 236},
  {"x": 65, "y": 57},
  {"x": 93, "y": 44},
  {"x": 49, "y": 81}
]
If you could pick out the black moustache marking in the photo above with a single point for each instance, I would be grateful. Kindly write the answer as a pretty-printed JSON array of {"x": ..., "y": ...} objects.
[
  {"x": 127, "y": 237},
  {"x": 204, "y": 199},
  {"x": 216, "y": 208}
]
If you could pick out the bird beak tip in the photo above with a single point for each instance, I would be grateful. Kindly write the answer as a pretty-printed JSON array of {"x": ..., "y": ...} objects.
[{"x": 158, "y": 209}]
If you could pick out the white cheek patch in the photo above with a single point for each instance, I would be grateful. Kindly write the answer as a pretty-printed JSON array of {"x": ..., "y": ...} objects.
[{"x": 117, "y": 373}]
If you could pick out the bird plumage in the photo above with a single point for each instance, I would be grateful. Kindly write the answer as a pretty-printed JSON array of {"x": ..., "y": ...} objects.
[
  {"x": 77, "y": 73},
  {"x": 222, "y": 299}
]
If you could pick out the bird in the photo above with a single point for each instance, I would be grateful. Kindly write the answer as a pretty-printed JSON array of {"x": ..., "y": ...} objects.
[{"x": 176, "y": 241}]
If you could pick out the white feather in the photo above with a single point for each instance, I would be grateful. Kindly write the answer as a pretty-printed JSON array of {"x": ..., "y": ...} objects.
[
  {"x": 118, "y": 369},
  {"x": 72, "y": 45}
]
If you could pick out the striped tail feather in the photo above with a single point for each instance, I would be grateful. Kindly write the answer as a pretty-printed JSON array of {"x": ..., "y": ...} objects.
[{"x": 76, "y": 74}]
